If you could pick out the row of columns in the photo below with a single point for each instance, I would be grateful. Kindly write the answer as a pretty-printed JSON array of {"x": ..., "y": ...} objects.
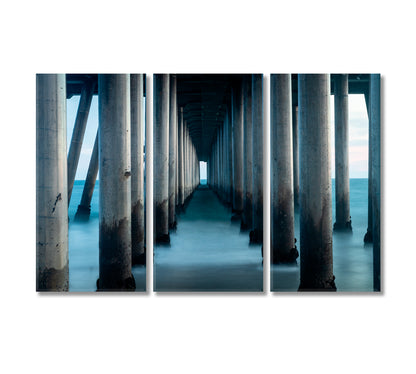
[
  {"x": 315, "y": 181},
  {"x": 119, "y": 99},
  {"x": 176, "y": 165},
  {"x": 119, "y": 146},
  {"x": 235, "y": 164}
]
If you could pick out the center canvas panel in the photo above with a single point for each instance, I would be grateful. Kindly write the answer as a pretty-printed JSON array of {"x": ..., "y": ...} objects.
[{"x": 208, "y": 182}]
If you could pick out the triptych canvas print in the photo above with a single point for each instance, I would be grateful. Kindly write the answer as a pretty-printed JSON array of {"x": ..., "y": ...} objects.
[{"x": 217, "y": 141}]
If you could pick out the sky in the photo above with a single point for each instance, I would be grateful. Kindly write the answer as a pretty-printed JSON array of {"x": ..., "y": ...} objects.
[{"x": 358, "y": 136}]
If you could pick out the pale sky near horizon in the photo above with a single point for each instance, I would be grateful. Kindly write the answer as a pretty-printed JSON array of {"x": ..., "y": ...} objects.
[{"x": 358, "y": 136}]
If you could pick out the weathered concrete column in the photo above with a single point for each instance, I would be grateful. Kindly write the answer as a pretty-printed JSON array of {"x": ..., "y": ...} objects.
[
  {"x": 173, "y": 115},
  {"x": 247, "y": 218},
  {"x": 186, "y": 161},
  {"x": 316, "y": 269},
  {"x": 218, "y": 151},
  {"x": 238, "y": 134},
  {"x": 228, "y": 116},
  {"x": 84, "y": 208},
  {"x": 137, "y": 172},
  {"x": 226, "y": 163},
  {"x": 283, "y": 215},
  {"x": 342, "y": 176},
  {"x": 221, "y": 158},
  {"x": 295, "y": 145},
  {"x": 78, "y": 133},
  {"x": 368, "y": 237},
  {"x": 180, "y": 159},
  {"x": 256, "y": 235},
  {"x": 375, "y": 174},
  {"x": 115, "y": 183},
  {"x": 177, "y": 163},
  {"x": 51, "y": 184},
  {"x": 161, "y": 156}
]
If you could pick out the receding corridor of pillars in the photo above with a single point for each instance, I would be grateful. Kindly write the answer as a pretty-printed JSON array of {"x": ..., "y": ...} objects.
[
  {"x": 117, "y": 153},
  {"x": 217, "y": 119},
  {"x": 301, "y": 171}
]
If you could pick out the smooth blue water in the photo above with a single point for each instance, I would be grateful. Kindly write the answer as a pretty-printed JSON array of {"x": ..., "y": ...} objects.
[
  {"x": 83, "y": 246},
  {"x": 208, "y": 252},
  {"x": 353, "y": 261}
]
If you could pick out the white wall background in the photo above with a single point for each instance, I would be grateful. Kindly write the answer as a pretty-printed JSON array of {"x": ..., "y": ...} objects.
[{"x": 206, "y": 333}]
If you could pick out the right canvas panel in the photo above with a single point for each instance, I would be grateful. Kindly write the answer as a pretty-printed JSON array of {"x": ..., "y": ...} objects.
[{"x": 325, "y": 182}]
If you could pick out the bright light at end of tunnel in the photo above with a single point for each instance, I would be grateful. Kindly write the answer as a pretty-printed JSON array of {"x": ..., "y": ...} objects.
[{"x": 202, "y": 172}]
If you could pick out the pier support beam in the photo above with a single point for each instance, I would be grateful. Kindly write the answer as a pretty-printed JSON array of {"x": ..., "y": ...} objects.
[
  {"x": 283, "y": 220},
  {"x": 84, "y": 208},
  {"x": 173, "y": 115},
  {"x": 180, "y": 160},
  {"x": 375, "y": 174},
  {"x": 368, "y": 237},
  {"x": 115, "y": 183},
  {"x": 256, "y": 235},
  {"x": 316, "y": 265},
  {"x": 229, "y": 124},
  {"x": 78, "y": 133},
  {"x": 247, "y": 218},
  {"x": 238, "y": 133},
  {"x": 342, "y": 177},
  {"x": 137, "y": 173},
  {"x": 51, "y": 184},
  {"x": 161, "y": 156},
  {"x": 295, "y": 144}
]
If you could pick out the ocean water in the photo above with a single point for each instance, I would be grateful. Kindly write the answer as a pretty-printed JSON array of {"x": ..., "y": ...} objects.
[
  {"x": 83, "y": 246},
  {"x": 352, "y": 259},
  {"x": 207, "y": 252}
]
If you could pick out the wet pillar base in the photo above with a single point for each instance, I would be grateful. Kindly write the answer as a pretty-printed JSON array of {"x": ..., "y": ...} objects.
[
  {"x": 161, "y": 212},
  {"x": 83, "y": 213},
  {"x": 139, "y": 259},
  {"x": 318, "y": 285},
  {"x": 256, "y": 236},
  {"x": 115, "y": 258},
  {"x": 368, "y": 237},
  {"x": 347, "y": 226},
  {"x": 55, "y": 280},
  {"x": 278, "y": 256}
]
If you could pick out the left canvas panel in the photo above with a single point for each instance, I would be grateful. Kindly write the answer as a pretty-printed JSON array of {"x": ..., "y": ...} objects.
[{"x": 90, "y": 182}]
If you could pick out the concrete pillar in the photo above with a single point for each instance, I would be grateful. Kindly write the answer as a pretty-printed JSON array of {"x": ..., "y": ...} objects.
[
  {"x": 161, "y": 156},
  {"x": 78, "y": 133},
  {"x": 228, "y": 117},
  {"x": 186, "y": 160},
  {"x": 173, "y": 115},
  {"x": 137, "y": 180},
  {"x": 51, "y": 184},
  {"x": 283, "y": 216},
  {"x": 84, "y": 208},
  {"x": 247, "y": 218},
  {"x": 177, "y": 163},
  {"x": 256, "y": 235},
  {"x": 375, "y": 174},
  {"x": 180, "y": 159},
  {"x": 295, "y": 145},
  {"x": 238, "y": 133},
  {"x": 368, "y": 237},
  {"x": 342, "y": 177},
  {"x": 115, "y": 183},
  {"x": 218, "y": 151},
  {"x": 316, "y": 269},
  {"x": 224, "y": 163}
]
